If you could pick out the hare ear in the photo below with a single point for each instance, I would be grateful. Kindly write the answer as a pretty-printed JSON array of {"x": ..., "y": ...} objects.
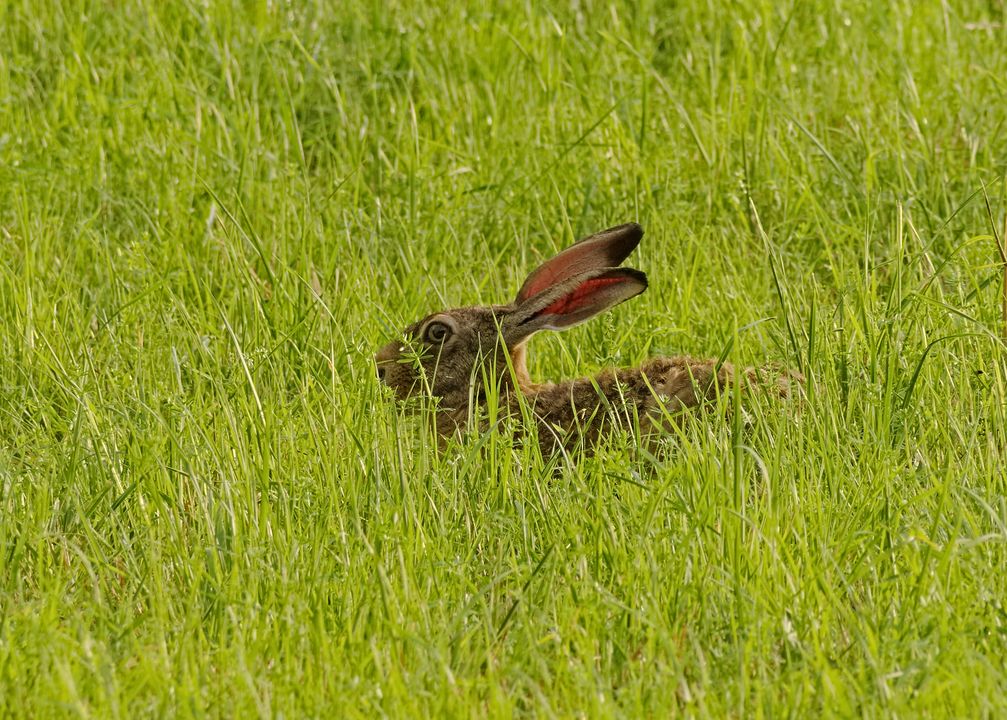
[
  {"x": 606, "y": 249},
  {"x": 574, "y": 301}
]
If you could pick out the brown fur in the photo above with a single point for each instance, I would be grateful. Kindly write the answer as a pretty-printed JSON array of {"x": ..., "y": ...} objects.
[{"x": 490, "y": 343}]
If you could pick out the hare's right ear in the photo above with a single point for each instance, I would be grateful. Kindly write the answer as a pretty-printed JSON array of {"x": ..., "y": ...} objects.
[
  {"x": 572, "y": 302},
  {"x": 606, "y": 249}
]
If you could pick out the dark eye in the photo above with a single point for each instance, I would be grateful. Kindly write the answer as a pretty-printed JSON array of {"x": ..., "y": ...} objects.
[{"x": 436, "y": 333}]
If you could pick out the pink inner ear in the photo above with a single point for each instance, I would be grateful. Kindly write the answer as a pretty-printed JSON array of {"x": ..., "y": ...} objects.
[
  {"x": 580, "y": 297},
  {"x": 568, "y": 263},
  {"x": 542, "y": 279}
]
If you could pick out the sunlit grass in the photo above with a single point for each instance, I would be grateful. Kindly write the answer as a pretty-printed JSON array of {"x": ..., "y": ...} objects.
[{"x": 212, "y": 216}]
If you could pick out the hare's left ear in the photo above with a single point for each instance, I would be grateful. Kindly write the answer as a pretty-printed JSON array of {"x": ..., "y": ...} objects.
[
  {"x": 572, "y": 302},
  {"x": 606, "y": 249}
]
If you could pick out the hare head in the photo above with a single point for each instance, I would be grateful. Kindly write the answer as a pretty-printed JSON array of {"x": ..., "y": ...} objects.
[{"x": 448, "y": 353}]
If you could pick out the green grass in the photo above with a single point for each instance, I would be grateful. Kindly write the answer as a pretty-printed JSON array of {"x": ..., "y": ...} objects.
[{"x": 211, "y": 216}]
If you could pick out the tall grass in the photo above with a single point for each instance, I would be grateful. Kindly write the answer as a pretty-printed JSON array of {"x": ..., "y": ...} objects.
[{"x": 212, "y": 214}]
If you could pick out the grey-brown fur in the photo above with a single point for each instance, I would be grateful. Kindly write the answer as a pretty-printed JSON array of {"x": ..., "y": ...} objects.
[{"x": 449, "y": 354}]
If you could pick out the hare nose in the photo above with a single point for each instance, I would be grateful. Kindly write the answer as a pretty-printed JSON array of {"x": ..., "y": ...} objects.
[{"x": 381, "y": 371}]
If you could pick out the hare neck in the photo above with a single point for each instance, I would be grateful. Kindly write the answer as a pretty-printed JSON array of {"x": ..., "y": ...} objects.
[{"x": 518, "y": 357}]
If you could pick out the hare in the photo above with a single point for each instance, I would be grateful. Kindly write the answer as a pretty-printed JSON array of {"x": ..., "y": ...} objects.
[{"x": 450, "y": 354}]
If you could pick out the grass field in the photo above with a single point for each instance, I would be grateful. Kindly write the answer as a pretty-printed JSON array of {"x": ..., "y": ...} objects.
[{"x": 212, "y": 215}]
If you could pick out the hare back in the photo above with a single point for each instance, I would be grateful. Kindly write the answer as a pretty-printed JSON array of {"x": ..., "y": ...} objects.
[
  {"x": 650, "y": 397},
  {"x": 581, "y": 409}
]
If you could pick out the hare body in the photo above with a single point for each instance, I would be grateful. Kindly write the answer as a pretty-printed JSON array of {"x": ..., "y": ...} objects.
[
  {"x": 451, "y": 354},
  {"x": 647, "y": 399}
]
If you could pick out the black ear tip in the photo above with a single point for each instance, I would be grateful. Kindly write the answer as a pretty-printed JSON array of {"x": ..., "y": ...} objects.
[
  {"x": 630, "y": 274},
  {"x": 621, "y": 240},
  {"x": 639, "y": 276},
  {"x": 629, "y": 232}
]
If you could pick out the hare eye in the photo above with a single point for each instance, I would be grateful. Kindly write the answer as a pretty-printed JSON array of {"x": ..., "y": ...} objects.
[{"x": 436, "y": 332}]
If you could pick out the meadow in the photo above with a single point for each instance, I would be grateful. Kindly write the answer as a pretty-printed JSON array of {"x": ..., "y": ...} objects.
[{"x": 213, "y": 214}]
